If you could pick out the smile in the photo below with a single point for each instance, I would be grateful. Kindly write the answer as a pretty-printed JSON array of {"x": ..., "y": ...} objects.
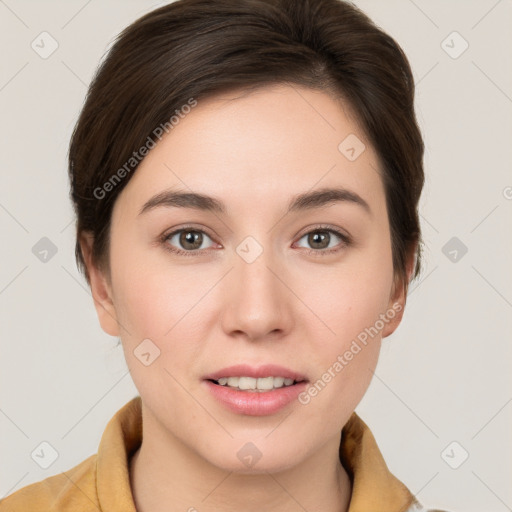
[{"x": 260, "y": 384}]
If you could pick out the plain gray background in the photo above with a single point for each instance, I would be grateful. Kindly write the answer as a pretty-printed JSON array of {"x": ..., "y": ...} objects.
[{"x": 443, "y": 377}]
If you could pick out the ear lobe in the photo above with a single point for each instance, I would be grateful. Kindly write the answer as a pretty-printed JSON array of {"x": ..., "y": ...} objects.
[
  {"x": 101, "y": 289},
  {"x": 396, "y": 306},
  {"x": 398, "y": 296}
]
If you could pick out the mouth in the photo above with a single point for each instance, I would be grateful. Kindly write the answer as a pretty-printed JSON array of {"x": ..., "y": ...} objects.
[
  {"x": 255, "y": 391},
  {"x": 267, "y": 378},
  {"x": 256, "y": 385}
]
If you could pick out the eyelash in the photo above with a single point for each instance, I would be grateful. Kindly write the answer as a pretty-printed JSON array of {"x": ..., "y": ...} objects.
[{"x": 345, "y": 241}]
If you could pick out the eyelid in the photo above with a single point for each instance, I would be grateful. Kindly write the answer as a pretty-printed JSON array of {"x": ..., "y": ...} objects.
[
  {"x": 167, "y": 234},
  {"x": 326, "y": 227}
]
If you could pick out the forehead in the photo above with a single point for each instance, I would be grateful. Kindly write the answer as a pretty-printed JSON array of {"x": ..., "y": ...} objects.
[{"x": 270, "y": 143}]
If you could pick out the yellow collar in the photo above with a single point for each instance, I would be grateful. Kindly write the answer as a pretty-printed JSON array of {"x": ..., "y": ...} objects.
[{"x": 374, "y": 487}]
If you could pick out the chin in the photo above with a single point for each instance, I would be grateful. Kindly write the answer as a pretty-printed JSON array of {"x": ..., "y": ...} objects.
[{"x": 255, "y": 458}]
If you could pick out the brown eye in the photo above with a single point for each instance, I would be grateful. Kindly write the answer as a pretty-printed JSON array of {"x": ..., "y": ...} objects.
[
  {"x": 323, "y": 240},
  {"x": 186, "y": 240},
  {"x": 191, "y": 239},
  {"x": 319, "y": 239}
]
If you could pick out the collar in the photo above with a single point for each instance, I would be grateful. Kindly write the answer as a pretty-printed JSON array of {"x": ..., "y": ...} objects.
[{"x": 374, "y": 487}]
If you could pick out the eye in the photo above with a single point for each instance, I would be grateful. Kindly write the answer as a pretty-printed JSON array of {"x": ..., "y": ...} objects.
[
  {"x": 188, "y": 240},
  {"x": 322, "y": 241}
]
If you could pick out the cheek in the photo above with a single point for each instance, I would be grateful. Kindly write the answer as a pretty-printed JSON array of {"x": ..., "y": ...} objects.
[
  {"x": 159, "y": 306},
  {"x": 351, "y": 345},
  {"x": 151, "y": 294},
  {"x": 353, "y": 306},
  {"x": 352, "y": 298},
  {"x": 174, "y": 306}
]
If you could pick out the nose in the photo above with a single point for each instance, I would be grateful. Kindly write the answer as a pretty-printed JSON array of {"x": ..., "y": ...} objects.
[{"x": 257, "y": 301}]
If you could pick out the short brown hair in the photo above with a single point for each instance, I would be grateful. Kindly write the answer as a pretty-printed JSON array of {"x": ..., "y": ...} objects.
[{"x": 196, "y": 48}]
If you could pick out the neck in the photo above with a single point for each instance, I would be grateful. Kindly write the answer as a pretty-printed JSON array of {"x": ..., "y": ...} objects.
[{"x": 165, "y": 476}]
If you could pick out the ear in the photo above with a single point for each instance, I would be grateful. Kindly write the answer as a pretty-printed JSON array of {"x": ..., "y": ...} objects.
[
  {"x": 398, "y": 297},
  {"x": 101, "y": 288}
]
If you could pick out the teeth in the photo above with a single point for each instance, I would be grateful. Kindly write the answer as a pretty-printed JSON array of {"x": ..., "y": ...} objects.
[
  {"x": 251, "y": 383},
  {"x": 279, "y": 381},
  {"x": 233, "y": 381},
  {"x": 247, "y": 383}
]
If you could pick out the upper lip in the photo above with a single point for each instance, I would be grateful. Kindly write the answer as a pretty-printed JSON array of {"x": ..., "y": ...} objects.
[{"x": 266, "y": 370}]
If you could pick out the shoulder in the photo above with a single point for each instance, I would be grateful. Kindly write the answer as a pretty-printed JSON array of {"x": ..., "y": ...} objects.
[{"x": 72, "y": 490}]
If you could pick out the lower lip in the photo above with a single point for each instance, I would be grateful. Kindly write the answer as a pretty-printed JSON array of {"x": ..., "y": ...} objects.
[{"x": 255, "y": 403}]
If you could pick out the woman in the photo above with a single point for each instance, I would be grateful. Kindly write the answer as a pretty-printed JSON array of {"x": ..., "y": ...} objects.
[{"x": 246, "y": 177}]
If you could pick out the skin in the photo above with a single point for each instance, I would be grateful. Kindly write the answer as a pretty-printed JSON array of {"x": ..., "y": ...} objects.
[{"x": 254, "y": 152}]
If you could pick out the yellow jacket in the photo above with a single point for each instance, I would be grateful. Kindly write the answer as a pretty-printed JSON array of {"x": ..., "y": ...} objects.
[{"x": 102, "y": 482}]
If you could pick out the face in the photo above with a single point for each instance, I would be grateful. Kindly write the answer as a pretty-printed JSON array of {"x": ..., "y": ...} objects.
[{"x": 271, "y": 274}]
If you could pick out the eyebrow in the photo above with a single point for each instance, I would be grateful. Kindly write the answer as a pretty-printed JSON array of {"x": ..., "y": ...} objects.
[{"x": 305, "y": 201}]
